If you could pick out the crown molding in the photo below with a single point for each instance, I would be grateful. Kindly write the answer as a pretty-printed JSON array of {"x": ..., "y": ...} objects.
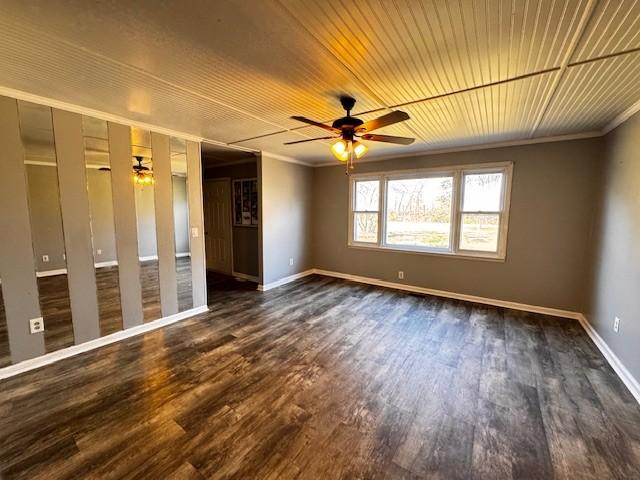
[
  {"x": 70, "y": 107},
  {"x": 284, "y": 158},
  {"x": 484, "y": 146},
  {"x": 621, "y": 118}
]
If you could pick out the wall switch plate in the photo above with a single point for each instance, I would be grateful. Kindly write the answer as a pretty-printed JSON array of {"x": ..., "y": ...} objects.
[
  {"x": 194, "y": 232},
  {"x": 36, "y": 325},
  {"x": 99, "y": 252},
  {"x": 45, "y": 258},
  {"x": 401, "y": 275},
  {"x": 291, "y": 262},
  {"x": 616, "y": 325}
]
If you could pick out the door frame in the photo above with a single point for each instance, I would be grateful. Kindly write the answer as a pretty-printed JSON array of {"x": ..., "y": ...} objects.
[{"x": 228, "y": 180}]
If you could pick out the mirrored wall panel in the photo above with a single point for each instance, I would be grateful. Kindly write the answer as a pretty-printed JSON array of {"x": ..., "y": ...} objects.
[
  {"x": 5, "y": 354},
  {"x": 143, "y": 183},
  {"x": 181, "y": 222},
  {"x": 36, "y": 129},
  {"x": 103, "y": 236}
]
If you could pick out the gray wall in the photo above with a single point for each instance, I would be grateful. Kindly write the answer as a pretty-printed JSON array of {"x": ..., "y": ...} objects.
[
  {"x": 550, "y": 217},
  {"x": 245, "y": 239},
  {"x": 615, "y": 282},
  {"x": 146, "y": 216},
  {"x": 46, "y": 220},
  {"x": 101, "y": 205},
  {"x": 45, "y": 216},
  {"x": 287, "y": 210},
  {"x": 180, "y": 214}
]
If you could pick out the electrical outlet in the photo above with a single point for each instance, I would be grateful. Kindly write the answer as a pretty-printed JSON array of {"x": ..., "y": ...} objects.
[
  {"x": 36, "y": 325},
  {"x": 99, "y": 252},
  {"x": 45, "y": 258},
  {"x": 401, "y": 275},
  {"x": 616, "y": 325},
  {"x": 291, "y": 262}
]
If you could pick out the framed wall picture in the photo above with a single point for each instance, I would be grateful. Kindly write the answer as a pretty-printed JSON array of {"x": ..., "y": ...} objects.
[{"x": 245, "y": 202}]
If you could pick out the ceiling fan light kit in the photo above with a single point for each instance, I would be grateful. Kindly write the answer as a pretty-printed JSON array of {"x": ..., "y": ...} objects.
[
  {"x": 142, "y": 175},
  {"x": 349, "y": 129}
]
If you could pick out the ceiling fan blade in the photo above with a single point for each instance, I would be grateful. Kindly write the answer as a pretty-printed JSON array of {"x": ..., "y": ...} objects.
[
  {"x": 383, "y": 121},
  {"x": 308, "y": 140},
  {"x": 388, "y": 139},
  {"x": 316, "y": 124}
]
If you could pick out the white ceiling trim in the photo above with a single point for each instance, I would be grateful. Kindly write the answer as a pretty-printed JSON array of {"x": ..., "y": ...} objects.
[
  {"x": 486, "y": 146},
  {"x": 623, "y": 117},
  {"x": 287, "y": 159},
  {"x": 70, "y": 107}
]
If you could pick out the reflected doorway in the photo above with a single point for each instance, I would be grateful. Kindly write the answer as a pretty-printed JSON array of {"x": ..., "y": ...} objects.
[{"x": 230, "y": 205}]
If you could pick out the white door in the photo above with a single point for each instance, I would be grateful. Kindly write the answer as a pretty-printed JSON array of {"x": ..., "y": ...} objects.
[{"x": 217, "y": 225}]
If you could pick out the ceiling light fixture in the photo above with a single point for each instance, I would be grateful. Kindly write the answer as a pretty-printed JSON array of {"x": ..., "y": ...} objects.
[
  {"x": 344, "y": 150},
  {"x": 349, "y": 129},
  {"x": 142, "y": 175}
]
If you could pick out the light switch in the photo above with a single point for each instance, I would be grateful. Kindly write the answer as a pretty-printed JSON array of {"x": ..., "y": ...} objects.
[{"x": 194, "y": 232}]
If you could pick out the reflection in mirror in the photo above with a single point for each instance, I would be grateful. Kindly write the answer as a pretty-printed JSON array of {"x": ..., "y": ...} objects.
[
  {"x": 5, "y": 355},
  {"x": 142, "y": 179},
  {"x": 36, "y": 129},
  {"x": 181, "y": 222},
  {"x": 103, "y": 237}
]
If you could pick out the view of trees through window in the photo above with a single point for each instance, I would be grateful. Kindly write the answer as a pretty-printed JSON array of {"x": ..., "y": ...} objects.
[
  {"x": 419, "y": 212},
  {"x": 366, "y": 211},
  {"x": 480, "y": 225}
]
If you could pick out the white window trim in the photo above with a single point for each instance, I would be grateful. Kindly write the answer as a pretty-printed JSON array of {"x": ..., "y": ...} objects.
[{"x": 457, "y": 172}]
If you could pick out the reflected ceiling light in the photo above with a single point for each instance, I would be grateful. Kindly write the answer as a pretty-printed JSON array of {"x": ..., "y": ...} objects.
[{"x": 142, "y": 175}]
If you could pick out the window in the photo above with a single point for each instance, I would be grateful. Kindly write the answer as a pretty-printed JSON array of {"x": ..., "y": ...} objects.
[
  {"x": 459, "y": 210},
  {"x": 419, "y": 212},
  {"x": 366, "y": 210}
]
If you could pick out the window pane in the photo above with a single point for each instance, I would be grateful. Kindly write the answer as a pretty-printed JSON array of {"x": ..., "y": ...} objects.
[
  {"x": 365, "y": 227},
  {"x": 482, "y": 192},
  {"x": 367, "y": 196},
  {"x": 419, "y": 212},
  {"x": 479, "y": 232}
]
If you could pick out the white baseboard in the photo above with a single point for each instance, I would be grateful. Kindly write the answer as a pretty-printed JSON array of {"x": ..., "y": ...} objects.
[
  {"x": 625, "y": 375},
  {"x": 147, "y": 258},
  {"x": 457, "y": 296},
  {"x": 51, "y": 273},
  {"x": 285, "y": 280},
  {"x": 627, "y": 378},
  {"x": 244, "y": 276},
  {"x": 58, "y": 355},
  {"x": 110, "y": 263},
  {"x": 183, "y": 254}
]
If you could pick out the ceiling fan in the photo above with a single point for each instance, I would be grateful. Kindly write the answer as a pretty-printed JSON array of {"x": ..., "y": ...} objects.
[
  {"x": 348, "y": 130},
  {"x": 141, "y": 175}
]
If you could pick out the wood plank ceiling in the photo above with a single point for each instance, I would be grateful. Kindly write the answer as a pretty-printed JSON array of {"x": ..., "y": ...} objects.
[{"x": 468, "y": 72}]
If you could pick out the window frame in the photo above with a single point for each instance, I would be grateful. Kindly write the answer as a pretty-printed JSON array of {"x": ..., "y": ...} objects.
[
  {"x": 352, "y": 209},
  {"x": 457, "y": 172}
]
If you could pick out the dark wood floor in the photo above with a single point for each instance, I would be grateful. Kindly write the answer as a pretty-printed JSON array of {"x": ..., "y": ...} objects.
[
  {"x": 327, "y": 379},
  {"x": 56, "y": 307}
]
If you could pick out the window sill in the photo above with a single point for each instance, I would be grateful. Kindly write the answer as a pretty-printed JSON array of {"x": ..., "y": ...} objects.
[{"x": 490, "y": 257}]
